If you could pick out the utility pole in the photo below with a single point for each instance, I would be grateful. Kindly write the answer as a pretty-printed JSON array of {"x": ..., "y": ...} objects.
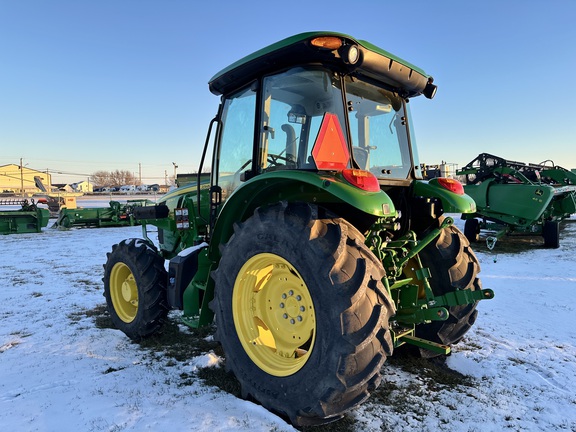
[
  {"x": 139, "y": 173},
  {"x": 21, "y": 179},
  {"x": 175, "y": 166},
  {"x": 166, "y": 178}
]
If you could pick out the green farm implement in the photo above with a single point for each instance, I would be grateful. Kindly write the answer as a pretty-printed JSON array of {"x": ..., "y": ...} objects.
[
  {"x": 517, "y": 198},
  {"x": 29, "y": 218},
  {"x": 116, "y": 214},
  {"x": 314, "y": 245}
]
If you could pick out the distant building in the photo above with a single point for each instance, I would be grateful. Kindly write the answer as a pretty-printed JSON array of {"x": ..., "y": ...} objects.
[
  {"x": 83, "y": 186},
  {"x": 63, "y": 187},
  {"x": 438, "y": 170},
  {"x": 12, "y": 179}
]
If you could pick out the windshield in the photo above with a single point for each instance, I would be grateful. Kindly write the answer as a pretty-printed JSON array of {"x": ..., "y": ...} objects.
[
  {"x": 293, "y": 108},
  {"x": 294, "y": 105},
  {"x": 378, "y": 130}
]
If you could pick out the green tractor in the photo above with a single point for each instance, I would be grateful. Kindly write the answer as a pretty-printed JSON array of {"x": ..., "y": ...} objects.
[
  {"x": 517, "y": 198},
  {"x": 314, "y": 244}
]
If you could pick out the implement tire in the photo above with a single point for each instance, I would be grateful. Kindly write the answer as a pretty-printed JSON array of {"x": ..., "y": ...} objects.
[
  {"x": 551, "y": 234},
  {"x": 301, "y": 313},
  {"x": 453, "y": 266},
  {"x": 472, "y": 230},
  {"x": 135, "y": 288}
]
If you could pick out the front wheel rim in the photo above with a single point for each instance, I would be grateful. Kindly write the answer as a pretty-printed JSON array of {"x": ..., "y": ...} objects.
[
  {"x": 124, "y": 292},
  {"x": 274, "y": 314}
]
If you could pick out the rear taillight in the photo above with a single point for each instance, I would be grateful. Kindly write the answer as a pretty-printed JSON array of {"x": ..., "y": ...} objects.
[
  {"x": 451, "y": 184},
  {"x": 364, "y": 180}
]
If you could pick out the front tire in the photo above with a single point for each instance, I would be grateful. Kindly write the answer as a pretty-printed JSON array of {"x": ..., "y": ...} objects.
[
  {"x": 301, "y": 313},
  {"x": 453, "y": 266},
  {"x": 135, "y": 288}
]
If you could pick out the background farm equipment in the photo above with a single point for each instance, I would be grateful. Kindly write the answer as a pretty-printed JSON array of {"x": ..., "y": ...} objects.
[
  {"x": 116, "y": 214},
  {"x": 314, "y": 244},
  {"x": 28, "y": 219},
  {"x": 517, "y": 198},
  {"x": 55, "y": 200}
]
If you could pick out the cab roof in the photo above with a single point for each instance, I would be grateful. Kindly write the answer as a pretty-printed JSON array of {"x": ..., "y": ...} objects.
[{"x": 373, "y": 62}]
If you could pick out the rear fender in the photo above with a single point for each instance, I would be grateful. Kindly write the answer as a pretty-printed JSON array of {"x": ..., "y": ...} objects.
[
  {"x": 324, "y": 189},
  {"x": 451, "y": 202}
]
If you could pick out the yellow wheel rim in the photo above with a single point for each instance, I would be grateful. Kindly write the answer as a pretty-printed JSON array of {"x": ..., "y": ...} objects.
[
  {"x": 273, "y": 314},
  {"x": 124, "y": 292}
]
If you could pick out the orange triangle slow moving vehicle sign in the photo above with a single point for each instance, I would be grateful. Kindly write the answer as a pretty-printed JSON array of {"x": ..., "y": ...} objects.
[{"x": 330, "y": 150}]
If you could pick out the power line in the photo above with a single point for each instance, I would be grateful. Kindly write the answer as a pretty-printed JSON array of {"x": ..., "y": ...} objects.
[{"x": 54, "y": 171}]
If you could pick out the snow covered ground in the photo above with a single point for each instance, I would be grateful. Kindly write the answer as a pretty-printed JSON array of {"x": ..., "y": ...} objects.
[{"x": 61, "y": 372}]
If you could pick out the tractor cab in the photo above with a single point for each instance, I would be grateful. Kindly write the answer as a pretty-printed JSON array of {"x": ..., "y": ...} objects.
[
  {"x": 316, "y": 102},
  {"x": 310, "y": 118}
]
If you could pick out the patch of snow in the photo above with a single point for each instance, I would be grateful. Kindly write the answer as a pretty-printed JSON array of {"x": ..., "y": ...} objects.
[
  {"x": 192, "y": 249},
  {"x": 203, "y": 361},
  {"x": 59, "y": 372}
]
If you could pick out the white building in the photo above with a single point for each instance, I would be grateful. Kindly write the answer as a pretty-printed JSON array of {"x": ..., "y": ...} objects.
[{"x": 83, "y": 186}]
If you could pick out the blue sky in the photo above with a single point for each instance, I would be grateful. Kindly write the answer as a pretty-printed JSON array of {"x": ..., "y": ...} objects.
[{"x": 122, "y": 84}]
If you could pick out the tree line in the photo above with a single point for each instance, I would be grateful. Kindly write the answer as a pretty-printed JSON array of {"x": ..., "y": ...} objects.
[{"x": 113, "y": 178}]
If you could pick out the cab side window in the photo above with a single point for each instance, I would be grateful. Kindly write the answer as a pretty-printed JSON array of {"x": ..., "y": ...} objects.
[{"x": 236, "y": 144}]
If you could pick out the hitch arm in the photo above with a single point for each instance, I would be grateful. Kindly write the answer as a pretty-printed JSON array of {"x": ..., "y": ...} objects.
[
  {"x": 425, "y": 241},
  {"x": 466, "y": 296}
]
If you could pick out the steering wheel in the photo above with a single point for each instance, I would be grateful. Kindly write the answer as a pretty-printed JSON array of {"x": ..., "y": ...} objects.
[{"x": 273, "y": 159}]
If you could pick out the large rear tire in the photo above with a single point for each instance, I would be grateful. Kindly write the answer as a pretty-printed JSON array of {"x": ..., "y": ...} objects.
[
  {"x": 135, "y": 288},
  {"x": 301, "y": 313},
  {"x": 453, "y": 266}
]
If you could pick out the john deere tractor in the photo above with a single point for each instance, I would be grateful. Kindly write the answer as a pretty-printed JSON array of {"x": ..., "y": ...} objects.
[{"x": 313, "y": 245}]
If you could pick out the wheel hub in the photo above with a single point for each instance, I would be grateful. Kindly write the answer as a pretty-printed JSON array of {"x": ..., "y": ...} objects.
[
  {"x": 274, "y": 314},
  {"x": 294, "y": 307},
  {"x": 124, "y": 292},
  {"x": 129, "y": 292}
]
